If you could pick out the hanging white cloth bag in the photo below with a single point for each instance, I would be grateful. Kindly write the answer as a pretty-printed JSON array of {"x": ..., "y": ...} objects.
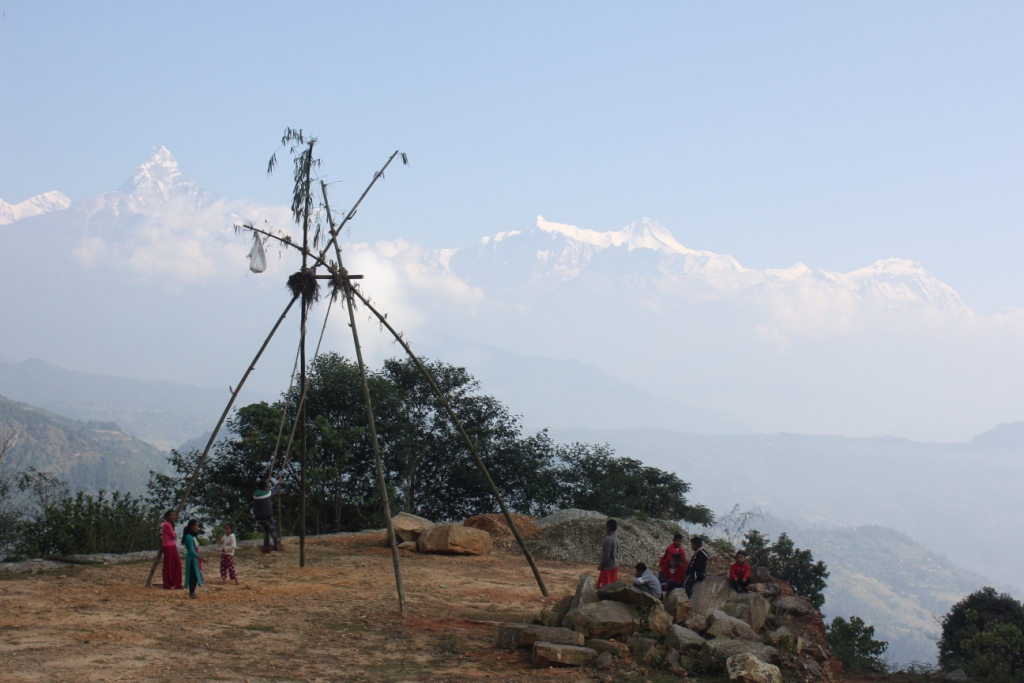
[{"x": 257, "y": 257}]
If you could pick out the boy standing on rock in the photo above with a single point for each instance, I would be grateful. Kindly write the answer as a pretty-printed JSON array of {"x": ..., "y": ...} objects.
[
  {"x": 609, "y": 567},
  {"x": 698, "y": 567}
]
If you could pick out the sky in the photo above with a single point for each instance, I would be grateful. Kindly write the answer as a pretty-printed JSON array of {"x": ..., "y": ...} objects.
[{"x": 834, "y": 134}]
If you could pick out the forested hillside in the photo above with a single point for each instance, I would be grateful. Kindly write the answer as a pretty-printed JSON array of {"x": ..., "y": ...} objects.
[{"x": 88, "y": 455}]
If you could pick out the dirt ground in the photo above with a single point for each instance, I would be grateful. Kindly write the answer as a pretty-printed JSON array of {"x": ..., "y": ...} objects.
[{"x": 334, "y": 620}]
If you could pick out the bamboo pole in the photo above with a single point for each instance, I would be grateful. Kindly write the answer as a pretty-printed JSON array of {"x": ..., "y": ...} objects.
[
  {"x": 378, "y": 461},
  {"x": 302, "y": 352},
  {"x": 465, "y": 437},
  {"x": 216, "y": 430}
]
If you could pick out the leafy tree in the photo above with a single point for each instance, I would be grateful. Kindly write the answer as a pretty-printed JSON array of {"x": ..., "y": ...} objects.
[
  {"x": 787, "y": 562},
  {"x": 853, "y": 642},
  {"x": 982, "y": 634},
  {"x": 592, "y": 478},
  {"x": 430, "y": 471}
]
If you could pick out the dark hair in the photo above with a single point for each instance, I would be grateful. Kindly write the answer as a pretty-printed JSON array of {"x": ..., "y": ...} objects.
[
  {"x": 188, "y": 527},
  {"x": 229, "y": 525},
  {"x": 641, "y": 567},
  {"x": 168, "y": 514},
  {"x": 698, "y": 540},
  {"x": 677, "y": 537},
  {"x": 740, "y": 552},
  {"x": 611, "y": 524}
]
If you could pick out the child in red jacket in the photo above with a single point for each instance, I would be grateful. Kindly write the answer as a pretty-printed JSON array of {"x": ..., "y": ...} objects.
[
  {"x": 673, "y": 565},
  {"x": 739, "y": 574}
]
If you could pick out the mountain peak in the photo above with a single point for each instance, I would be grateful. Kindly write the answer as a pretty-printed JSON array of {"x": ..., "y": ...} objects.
[
  {"x": 34, "y": 206},
  {"x": 159, "y": 179},
  {"x": 640, "y": 234}
]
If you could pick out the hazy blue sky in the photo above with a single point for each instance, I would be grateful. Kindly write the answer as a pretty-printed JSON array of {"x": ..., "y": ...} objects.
[{"x": 830, "y": 133}]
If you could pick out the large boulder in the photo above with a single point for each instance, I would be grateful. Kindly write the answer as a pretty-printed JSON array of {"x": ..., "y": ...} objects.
[
  {"x": 507, "y": 634},
  {"x": 605, "y": 619},
  {"x": 586, "y": 594},
  {"x": 543, "y": 634},
  {"x": 409, "y": 527},
  {"x": 683, "y": 639},
  {"x": 569, "y": 515},
  {"x": 659, "y": 622},
  {"x": 551, "y": 654},
  {"x": 620, "y": 591},
  {"x": 710, "y": 594},
  {"x": 796, "y": 605},
  {"x": 720, "y": 649},
  {"x": 615, "y": 649},
  {"x": 750, "y": 607},
  {"x": 746, "y": 668},
  {"x": 455, "y": 539},
  {"x": 678, "y": 605},
  {"x": 721, "y": 624},
  {"x": 696, "y": 623}
]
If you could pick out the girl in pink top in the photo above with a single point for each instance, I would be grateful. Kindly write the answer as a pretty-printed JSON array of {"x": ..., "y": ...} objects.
[{"x": 169, "y": 546}]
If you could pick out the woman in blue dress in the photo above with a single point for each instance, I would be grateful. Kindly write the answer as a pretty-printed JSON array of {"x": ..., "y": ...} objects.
[{"x": 193, "y": 568}]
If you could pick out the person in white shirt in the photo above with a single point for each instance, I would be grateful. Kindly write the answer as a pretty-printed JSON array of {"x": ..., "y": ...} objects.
[{"x": 227, "y": 555}]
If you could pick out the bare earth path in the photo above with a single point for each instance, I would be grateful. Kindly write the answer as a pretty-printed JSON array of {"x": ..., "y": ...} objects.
[{"x": 335, "y": 620}]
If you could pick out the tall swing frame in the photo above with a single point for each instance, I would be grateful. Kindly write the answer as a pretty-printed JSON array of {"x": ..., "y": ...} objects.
[{"x": 304, "y": 287}]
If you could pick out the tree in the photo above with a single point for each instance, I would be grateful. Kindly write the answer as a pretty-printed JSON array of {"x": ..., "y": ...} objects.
[
  {"x": 982, "y": 634},
  {"x": 592, "y": 478},
  {"x": 854, "y": 644},
  {"x": 9, "y": 514},
  {"x": 787, "y": 562}
]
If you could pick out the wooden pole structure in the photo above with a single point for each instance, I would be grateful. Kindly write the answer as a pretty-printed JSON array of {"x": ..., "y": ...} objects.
[
  {"x": 302, "y": 354},
  {"x": 378, "y": 460},
  {"x": 465, "y": 437},
  {"x": 216, "y": 430}
]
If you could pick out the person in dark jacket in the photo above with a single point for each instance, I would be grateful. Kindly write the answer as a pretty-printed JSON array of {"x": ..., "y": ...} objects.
[
  {"x": 697, "y": 570},
  {"x": 609, "y": 567},
  {"x": 263, "y": 511}
]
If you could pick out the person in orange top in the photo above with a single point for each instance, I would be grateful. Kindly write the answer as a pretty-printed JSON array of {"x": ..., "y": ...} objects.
[
  {"x": 673, "y": 565},
  {"x": 739, "y": 574}
]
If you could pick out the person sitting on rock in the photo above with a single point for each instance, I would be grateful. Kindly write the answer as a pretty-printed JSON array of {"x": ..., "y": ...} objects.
[
  {"x": 677, "y": 572},
  {"x": 263, "y": 511},
  {"x": 673, "y": 573},
  {"x": 697, "y": 570},
  {"x": 645, "y": 580},
  {"x": 609, "y": 567},
  {"x": 739, "y": 573}
]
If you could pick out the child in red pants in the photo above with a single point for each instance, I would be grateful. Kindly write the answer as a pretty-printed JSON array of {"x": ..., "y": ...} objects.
[{"x": 227, "y": 555}]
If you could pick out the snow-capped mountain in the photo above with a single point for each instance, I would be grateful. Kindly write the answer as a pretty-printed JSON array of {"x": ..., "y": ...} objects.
[
  {"x": 34, "y": 206},
  {"x": 645, "y": 255}
]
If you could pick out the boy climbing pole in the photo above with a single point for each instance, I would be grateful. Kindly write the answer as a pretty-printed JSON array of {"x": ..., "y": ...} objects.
[{"x": 263, "y": 511}]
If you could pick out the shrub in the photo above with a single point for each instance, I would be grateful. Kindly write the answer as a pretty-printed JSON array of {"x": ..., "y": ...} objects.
[
  {"x": 983, "y": 634},
  {"x": 787, "y": 562},
  {"x": 854, "y": 644}
]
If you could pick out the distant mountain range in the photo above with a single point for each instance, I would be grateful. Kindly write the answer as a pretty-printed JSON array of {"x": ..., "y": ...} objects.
[
  {"x": 962, "y": 500},
  {"x": 89, "y": 456},
  {"x": 149, "y": 280},
  {"x": 161, "y": 413},
  {"x": 888, "y": 579}
]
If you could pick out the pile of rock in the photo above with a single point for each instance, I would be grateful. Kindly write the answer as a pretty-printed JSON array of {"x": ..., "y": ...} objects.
[
  {"x": 752, "y": 636},
  {"x": 576, "y": 536},
  {"x": 421, "y": 535}
]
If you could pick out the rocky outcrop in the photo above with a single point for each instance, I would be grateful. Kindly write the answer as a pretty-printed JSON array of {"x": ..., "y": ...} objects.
[
  {"x": 586, "y": 594},
  {"x": 710, "y": 594},
  {"x": 795, "y": 605},
  {"x": 659, "y": 622},
  {"x": 454, "y": 539},
  {"x": 750, "y": 607},
  {"x": 721, "y": 624},
  {"x": 678, "y": 605},
  {"x": 747, "y": 668},
  {"x": 605, "y": 619},
  {"x": 720, "y": 649},
  {"x": 683, "y": 639}
]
